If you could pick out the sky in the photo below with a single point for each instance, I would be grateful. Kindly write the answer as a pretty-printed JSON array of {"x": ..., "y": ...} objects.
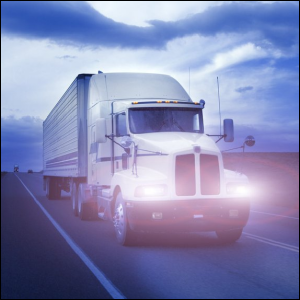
[{"x": 243, "y": 54}]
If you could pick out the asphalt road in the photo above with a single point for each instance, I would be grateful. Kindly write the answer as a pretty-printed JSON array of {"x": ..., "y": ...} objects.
[{"x": 48, "y": 253}]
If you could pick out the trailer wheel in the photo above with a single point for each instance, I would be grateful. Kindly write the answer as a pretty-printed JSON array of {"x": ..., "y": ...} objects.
[
  {"x": 124, "y": 234},
  {"x": 82, "y": 207},
  {"x": 75, "y": 199},
  {"x": 229, "y": 236}
]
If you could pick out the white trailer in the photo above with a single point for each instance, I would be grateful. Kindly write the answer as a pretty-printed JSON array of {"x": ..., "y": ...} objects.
[{"x": 131, "y": 148}]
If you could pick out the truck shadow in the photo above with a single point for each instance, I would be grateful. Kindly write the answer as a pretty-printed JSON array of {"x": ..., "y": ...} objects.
[{"x": 178, "y": 240}]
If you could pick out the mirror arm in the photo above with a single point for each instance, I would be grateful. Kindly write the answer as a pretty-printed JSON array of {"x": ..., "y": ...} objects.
[
  {"x": 220, "y": 135},
  {"x": 110, "y": 137}
]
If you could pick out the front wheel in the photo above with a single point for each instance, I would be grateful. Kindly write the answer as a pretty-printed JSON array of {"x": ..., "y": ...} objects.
[
  {"x": 123, "y": 232},
  {"x": 229, "y": 236}
]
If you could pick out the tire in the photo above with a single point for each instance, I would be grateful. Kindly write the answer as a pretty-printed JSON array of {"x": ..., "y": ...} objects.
[
  {"x": 125, "y": 236},
  {"x": 74, "y": 197},
  {"x": 52, "y": 188},
  {"x": 47, "y": 187},
  {"x": 229, "y": 236},
  {"x": 81, "y": 204}
]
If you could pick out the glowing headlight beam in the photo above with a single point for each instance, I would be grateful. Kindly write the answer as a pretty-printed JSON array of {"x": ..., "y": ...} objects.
[
  {"x": 150, "y": 191},
  {"x": 238, "y": 189}
]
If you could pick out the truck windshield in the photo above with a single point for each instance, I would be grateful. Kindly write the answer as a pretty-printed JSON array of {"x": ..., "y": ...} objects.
[{"x": 165, "y": 119}]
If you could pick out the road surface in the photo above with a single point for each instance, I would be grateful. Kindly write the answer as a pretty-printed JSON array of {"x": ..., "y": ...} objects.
[{"x": 48, "y": 253}]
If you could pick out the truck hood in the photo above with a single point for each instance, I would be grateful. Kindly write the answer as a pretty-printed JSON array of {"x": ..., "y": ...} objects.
[{"x": 172, "y": 142}]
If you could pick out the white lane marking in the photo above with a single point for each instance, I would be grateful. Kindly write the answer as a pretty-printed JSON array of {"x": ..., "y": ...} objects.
[
  {"x": 260, "y": 212},
  {"x": 111, "y": 289},
  {"x": 272, "y": 242}
]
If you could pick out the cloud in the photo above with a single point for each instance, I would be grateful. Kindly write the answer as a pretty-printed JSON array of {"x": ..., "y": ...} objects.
[
  {"x": 244, "y": 89},
  {"x": 235, "y": 56},
  {"x": 79, "y": 24},
  {"x": 66, "y": 57},
  {"x": 21, "y": 141},
  {"x": 139, "y": 12}
]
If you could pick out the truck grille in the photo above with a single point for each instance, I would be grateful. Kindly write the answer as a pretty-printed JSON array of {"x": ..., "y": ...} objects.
[
  {"x": 185, "y": 179},
  {"x": 209, "y": 174},
  {"x": 185, "y": 175}
]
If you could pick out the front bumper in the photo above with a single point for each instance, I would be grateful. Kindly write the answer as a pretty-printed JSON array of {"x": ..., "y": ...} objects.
[{"x": 188, "y": 215}]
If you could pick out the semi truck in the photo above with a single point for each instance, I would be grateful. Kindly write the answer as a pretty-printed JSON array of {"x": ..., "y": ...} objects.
[
  {"x": 16, "y": 168},
  {"x": 131, "y": 148}
]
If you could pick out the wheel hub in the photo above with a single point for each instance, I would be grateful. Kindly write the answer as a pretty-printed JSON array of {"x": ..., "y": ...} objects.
[{"x": 118, "y": 219}]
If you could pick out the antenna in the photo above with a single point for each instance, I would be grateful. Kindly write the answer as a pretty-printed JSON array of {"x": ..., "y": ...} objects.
[
  {"x": 190, "y": 82},
  {"x": 219, "y": 104}
]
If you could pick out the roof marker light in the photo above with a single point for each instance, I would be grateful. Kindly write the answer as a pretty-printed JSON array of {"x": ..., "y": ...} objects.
[{"x": 201, "y": 104}]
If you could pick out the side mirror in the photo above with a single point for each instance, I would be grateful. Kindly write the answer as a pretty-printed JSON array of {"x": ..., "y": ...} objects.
[
  {"x": 250, "y": 141},
  {"x": 100, "y": 130},
  {"x": 121, "y": 125},
  {"x": 228, "y": 130}
]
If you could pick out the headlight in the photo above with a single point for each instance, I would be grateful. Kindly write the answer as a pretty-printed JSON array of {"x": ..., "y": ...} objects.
[
  {"x": 151, "y": 191},
  {"x": 238, "y": 189}
]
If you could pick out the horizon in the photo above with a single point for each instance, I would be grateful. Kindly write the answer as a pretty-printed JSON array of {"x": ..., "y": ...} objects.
[{"x": 233, "y": 153}]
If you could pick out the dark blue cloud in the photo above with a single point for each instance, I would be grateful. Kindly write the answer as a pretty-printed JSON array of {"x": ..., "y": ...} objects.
[
  {"x": 68, "y": 22},
  {"x": 78, "y": 24},
  {"x": 21, "y": 143},
  {"x": 277, "y": 23}
]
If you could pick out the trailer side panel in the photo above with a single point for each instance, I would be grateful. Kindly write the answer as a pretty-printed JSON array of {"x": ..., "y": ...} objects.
[{"x": 64, "y": 134}]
